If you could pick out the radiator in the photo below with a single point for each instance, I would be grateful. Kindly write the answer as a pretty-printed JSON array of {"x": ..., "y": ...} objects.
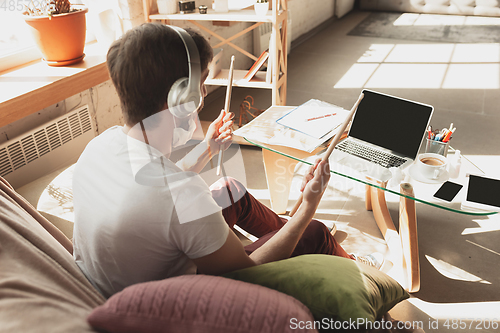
[{"x": 47, "y": 148}]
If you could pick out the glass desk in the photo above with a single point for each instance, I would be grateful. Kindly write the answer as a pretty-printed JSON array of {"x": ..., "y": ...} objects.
[
  {"x": 280, "y": 162},
  {"x": 422, "y": 191}
]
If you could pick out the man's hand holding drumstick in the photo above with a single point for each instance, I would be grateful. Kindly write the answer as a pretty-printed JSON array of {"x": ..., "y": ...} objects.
[
  {"x": 227, "y": 105},
  {"x": 323, "y": 163}
]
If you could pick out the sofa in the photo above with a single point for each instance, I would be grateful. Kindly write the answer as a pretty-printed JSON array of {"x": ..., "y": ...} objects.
[
  {"x": 456, "y": 7},
  {"x": 43, "y": 290}
]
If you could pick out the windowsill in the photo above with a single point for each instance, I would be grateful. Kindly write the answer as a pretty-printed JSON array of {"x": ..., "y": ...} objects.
[{"x": 29, "y": 88}]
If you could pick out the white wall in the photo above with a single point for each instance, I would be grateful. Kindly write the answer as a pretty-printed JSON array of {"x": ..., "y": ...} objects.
[{"x": 307, "y": 15}]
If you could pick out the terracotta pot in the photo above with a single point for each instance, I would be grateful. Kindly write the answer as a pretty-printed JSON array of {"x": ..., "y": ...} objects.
[{"x": 60, "y": 39}]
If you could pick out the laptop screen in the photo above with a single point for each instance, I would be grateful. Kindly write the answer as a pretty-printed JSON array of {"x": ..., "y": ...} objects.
[{"x": 391, "y": 122}]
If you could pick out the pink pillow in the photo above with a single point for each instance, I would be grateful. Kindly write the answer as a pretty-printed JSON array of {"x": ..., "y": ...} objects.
[{"x": 199, "y": 303}]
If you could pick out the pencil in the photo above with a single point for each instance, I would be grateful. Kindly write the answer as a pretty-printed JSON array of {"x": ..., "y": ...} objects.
[
  {"x": 320, "y": 117},
  {"x": 448, "y": 135},
  {"x": 226, "y": 107}
]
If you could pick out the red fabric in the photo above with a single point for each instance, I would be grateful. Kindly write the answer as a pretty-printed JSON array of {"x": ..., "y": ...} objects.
[
  {"x": 199, "y": 304},
  {"x": 242, "y": 209}
]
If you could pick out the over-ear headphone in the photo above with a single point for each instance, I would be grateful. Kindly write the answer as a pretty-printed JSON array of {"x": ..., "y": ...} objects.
[{"x": 184, "y": 96}]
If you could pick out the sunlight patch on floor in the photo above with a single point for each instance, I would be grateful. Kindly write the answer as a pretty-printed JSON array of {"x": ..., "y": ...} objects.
[
  {"x": 426, "y": 66},
  {"x": 487, "y": 225},
  {"x": 429, "y": 76},
  {"x": 476, "y": 310},
  {"x": 487, "y": 164},
  {"x": 421, "y": 53},
  {"x": 472, "y": 76},
  {"x": 482, "y": 247},
  {"x": 356, "y": 76},
  {"x": 376, "y": 53},
  {"x": 361, "y": 242},
  {"x": 453, "y": 272},
  {"x": 477, "y": 53}
]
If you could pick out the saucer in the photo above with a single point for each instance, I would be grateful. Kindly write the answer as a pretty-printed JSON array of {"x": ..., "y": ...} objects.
[
  {"x": 64, "y": 62},
  {"x": 413, "y": 171}
]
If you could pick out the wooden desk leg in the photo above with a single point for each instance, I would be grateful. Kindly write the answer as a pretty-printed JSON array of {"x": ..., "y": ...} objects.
[
  {"x": 279, "y": 174},
  {"x": 376, "y": 199},
  {"x": 409, "y": 237},
  {"x": 403, "y": 245},
  {"x": 368, "y": 198}
]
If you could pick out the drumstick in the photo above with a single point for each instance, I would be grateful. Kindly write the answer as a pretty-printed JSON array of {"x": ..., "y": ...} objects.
[
  {"x": 226, "y": 107},
  {"x": 329, "y": 151}
]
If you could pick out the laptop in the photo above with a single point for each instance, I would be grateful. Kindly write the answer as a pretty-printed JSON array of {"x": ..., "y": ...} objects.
[{"x": 386, "y": 132}]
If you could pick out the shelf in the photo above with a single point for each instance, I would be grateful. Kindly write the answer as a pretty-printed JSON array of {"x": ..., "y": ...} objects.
[
  {"x": 277, "y": 16},
  {"x": 259, "y": 80},
  {"x": 245, "y": 15},
  {"x": 28, "y": 89}
]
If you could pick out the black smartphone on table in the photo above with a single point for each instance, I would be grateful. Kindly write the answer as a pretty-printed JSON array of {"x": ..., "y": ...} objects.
[{"x": 448, "y": 191}]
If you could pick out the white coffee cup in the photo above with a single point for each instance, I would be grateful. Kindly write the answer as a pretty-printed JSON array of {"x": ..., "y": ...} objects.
[{"x": 431, "y": 165}]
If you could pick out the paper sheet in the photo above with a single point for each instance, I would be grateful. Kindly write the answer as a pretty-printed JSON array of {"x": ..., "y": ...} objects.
[
  {"x": 264, "y": 129},
  {"x": 314, "y": 118}
]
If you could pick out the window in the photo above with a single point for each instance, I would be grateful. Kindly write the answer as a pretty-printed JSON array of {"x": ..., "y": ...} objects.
[{"x": 16, "y": 44}]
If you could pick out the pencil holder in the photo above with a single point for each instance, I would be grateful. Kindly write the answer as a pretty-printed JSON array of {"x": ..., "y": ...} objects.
[{"x": 437, "y": 147}]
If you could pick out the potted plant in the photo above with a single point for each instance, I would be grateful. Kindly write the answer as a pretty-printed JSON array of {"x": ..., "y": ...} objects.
[
  {"x": 167, "y": 6},
  {"x": 261, "y": 7},
  {"x": 59, "y": 29}
]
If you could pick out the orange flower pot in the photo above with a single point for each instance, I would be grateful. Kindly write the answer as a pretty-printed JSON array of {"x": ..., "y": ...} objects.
[{"x": 61, "y": 39}]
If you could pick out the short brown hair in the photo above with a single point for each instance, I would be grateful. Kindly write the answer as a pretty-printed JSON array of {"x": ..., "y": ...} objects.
[{"x": 145, "y": 62}]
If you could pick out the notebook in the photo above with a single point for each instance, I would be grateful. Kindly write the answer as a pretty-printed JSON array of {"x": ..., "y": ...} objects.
[
  {"x": 386, "y": 131},
  {"x": 315, "y": 118}
]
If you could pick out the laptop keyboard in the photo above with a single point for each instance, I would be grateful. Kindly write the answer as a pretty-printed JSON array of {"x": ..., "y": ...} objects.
[{"x": 373, "y": 155}]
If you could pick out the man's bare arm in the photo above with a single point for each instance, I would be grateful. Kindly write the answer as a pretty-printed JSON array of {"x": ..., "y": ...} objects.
[
  {"x": 282, "y": 244},
  {"x": 232, "y": 256}
]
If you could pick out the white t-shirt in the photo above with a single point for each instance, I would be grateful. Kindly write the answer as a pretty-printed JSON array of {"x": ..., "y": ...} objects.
[{"x": 138, "y": 217}]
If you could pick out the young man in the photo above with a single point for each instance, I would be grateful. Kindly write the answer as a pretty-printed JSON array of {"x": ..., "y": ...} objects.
[{"x": 140, "y": 217}]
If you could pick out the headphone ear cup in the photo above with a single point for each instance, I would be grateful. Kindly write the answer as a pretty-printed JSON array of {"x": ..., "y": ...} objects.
[
  {"x": 185, "y": 95},
  {"x": 176, "y": 96}
]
